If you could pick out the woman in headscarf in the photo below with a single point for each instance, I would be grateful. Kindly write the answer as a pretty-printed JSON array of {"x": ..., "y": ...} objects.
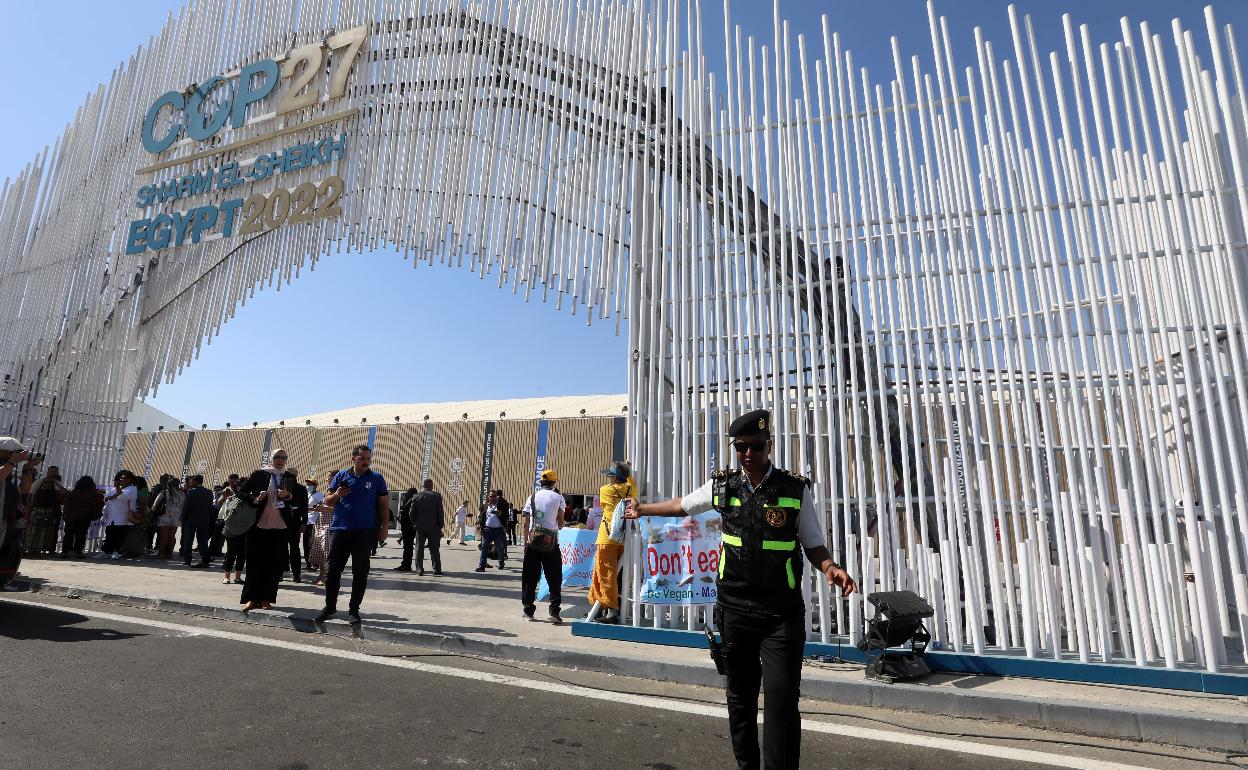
[
  {"x": 83, "y": 505},
  {"x": 277, "y": 495},
  {"x": 168, "y": 510},
  {"x": 45, "y": 514}
]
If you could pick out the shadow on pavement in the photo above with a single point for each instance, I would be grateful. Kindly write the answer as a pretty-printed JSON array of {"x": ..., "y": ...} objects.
[
  {"x": 21, "y": 622},
  {"x": 436, "y": 629}
]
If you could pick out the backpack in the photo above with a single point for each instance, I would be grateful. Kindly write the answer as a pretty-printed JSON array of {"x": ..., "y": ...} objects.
[
  {"x": 237, "y": 516},
  {"x": 45, "y": 496}
]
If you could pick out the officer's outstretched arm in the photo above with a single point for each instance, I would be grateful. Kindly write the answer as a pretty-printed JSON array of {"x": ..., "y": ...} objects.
[
  {"x": 637, "y": 509},
  {"x": 822, "y": 560}
]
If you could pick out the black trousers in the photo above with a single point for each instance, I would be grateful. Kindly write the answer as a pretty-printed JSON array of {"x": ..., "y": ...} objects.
[
  {"x": 266, "y": 561},
  {"x": 432, "y": 539},
  {"x": 216, "y": 544},
  {"x": 196, "y": 532},
  {"x": 764, "y": 649},
  {"x": 511, "y": 532},
  {"x": 356, "y": 544},
  {"x": 295, "y": 537},
  {"x": 114, "y": 536},
  {"x": 408, "y": 539},
  {"x": 308, "y": 531},
  {"x": 236, "y": 553},
  {"x": 75, "y": 539},
  {"x": 537, "y": 561}
]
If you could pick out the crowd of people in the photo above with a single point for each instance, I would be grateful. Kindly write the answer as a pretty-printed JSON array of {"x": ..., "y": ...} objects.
[
  {"x": 769, "y": 530},
  {"x": 270, "y": 525}
]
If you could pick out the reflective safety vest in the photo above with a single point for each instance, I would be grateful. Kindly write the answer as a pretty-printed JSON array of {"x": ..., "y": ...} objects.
[{"x": 760, "y": 564}]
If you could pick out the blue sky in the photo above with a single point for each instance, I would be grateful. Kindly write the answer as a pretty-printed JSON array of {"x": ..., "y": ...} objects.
[{"x": 437, "y": 333}]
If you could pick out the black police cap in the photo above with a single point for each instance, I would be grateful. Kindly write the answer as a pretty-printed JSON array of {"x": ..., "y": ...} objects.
[{"x": 757, "y": 421}]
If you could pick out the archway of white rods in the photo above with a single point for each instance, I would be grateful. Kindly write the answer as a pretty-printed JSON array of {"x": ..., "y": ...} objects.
[{"x": 998, "y": 311}]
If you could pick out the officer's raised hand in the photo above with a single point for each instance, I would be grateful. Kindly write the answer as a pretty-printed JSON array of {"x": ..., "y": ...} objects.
[{"x": 840, "y": 578}]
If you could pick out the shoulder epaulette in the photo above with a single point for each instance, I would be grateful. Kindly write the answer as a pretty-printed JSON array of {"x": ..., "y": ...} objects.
[{"x": 799, "y": 477}]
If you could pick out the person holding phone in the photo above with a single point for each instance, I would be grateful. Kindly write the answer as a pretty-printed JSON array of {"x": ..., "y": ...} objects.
[
  {"x": 360, "y": 522},
  {"x": 274, "y": 492},
  {"x": 120, "y": 507},
  {"x": 14, "y": 485}
]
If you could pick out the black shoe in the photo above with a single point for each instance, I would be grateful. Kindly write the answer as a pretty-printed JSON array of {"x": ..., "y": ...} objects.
[
  {"x": 501, "y": 565},
  {"x": 186, "y": 563},
  {"x": 479, "y": 569},
  {"x": 438, "y": 573},
  {"x": 401, "y": 568},
  {"x": 448, "y": 542},
  {"x": 555, "y": 619},
  {"x": 296, "y": 579},
  {"x": 325, "y": 615},
  {"x": 353, "y": 617},
  {"x": 420, "y": 572},
  {"x": 201, "y": 565}
]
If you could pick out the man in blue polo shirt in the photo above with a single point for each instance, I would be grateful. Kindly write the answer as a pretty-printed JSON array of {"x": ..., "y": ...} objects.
[{"x": 361, "y": 511}]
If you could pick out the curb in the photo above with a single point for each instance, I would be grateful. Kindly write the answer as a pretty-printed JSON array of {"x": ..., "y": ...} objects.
[{"x": 1179, "y": 728}]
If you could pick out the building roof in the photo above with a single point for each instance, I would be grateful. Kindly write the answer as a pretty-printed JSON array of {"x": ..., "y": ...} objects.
[
  {"x": 144, "y": 416},
  {"x": 453, "y": 411}
]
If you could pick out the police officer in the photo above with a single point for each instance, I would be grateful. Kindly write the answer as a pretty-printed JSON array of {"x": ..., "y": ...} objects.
[{"x": 768, "y": 523}]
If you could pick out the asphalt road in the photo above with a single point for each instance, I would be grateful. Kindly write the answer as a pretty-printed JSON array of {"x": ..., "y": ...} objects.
[{"x": 82, "y": 691}]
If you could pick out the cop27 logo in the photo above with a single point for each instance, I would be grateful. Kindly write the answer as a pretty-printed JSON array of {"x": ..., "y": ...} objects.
[
  {"x": 302, "y": 67},
  {"x": 457, "y": 466}
]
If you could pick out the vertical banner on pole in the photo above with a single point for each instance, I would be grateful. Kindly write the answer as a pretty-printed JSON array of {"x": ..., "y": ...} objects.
[
  {"x": 959, "y": 474},
  {"x": 539, "y": 459},
  {"x": 268, "y": 446},
  {"x": 186, "y": 456},
  {"x": 372, "y": 439},
  {"x": 618, "y": 435},
  {"x": 151, "y": 457},
  {"x": 487, "y": 460},
  {"x": 712, "y": 439},
  {"x": 426, "y": 463}
]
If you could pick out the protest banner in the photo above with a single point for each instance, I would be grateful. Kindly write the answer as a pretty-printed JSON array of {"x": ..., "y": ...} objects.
[
  {"x": 577, "y": 548},
  {"x": 680, "y": 559}
]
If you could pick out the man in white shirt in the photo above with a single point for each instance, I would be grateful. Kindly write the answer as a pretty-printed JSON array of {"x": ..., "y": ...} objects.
[
  {"x": 541, "y": 553},
  {"x": 118, "y": 505},
  {"x": 493, "y": 535},
  {"x": 461, "y": 520}
]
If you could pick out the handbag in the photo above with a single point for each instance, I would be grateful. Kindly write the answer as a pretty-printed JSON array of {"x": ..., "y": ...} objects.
[
  {"x": 237, "y": 516},
  {"x": 616, "y": 535}
]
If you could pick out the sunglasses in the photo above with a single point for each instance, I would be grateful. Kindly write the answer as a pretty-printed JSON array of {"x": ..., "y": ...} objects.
[{"x": 757, "y": 446}]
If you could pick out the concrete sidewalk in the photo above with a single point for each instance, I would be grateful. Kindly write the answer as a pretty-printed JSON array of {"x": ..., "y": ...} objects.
[{"x": 480, "y": 613}]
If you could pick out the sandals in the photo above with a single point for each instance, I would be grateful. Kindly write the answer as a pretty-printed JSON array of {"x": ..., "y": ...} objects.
[{"x": 226, "y": 580}]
